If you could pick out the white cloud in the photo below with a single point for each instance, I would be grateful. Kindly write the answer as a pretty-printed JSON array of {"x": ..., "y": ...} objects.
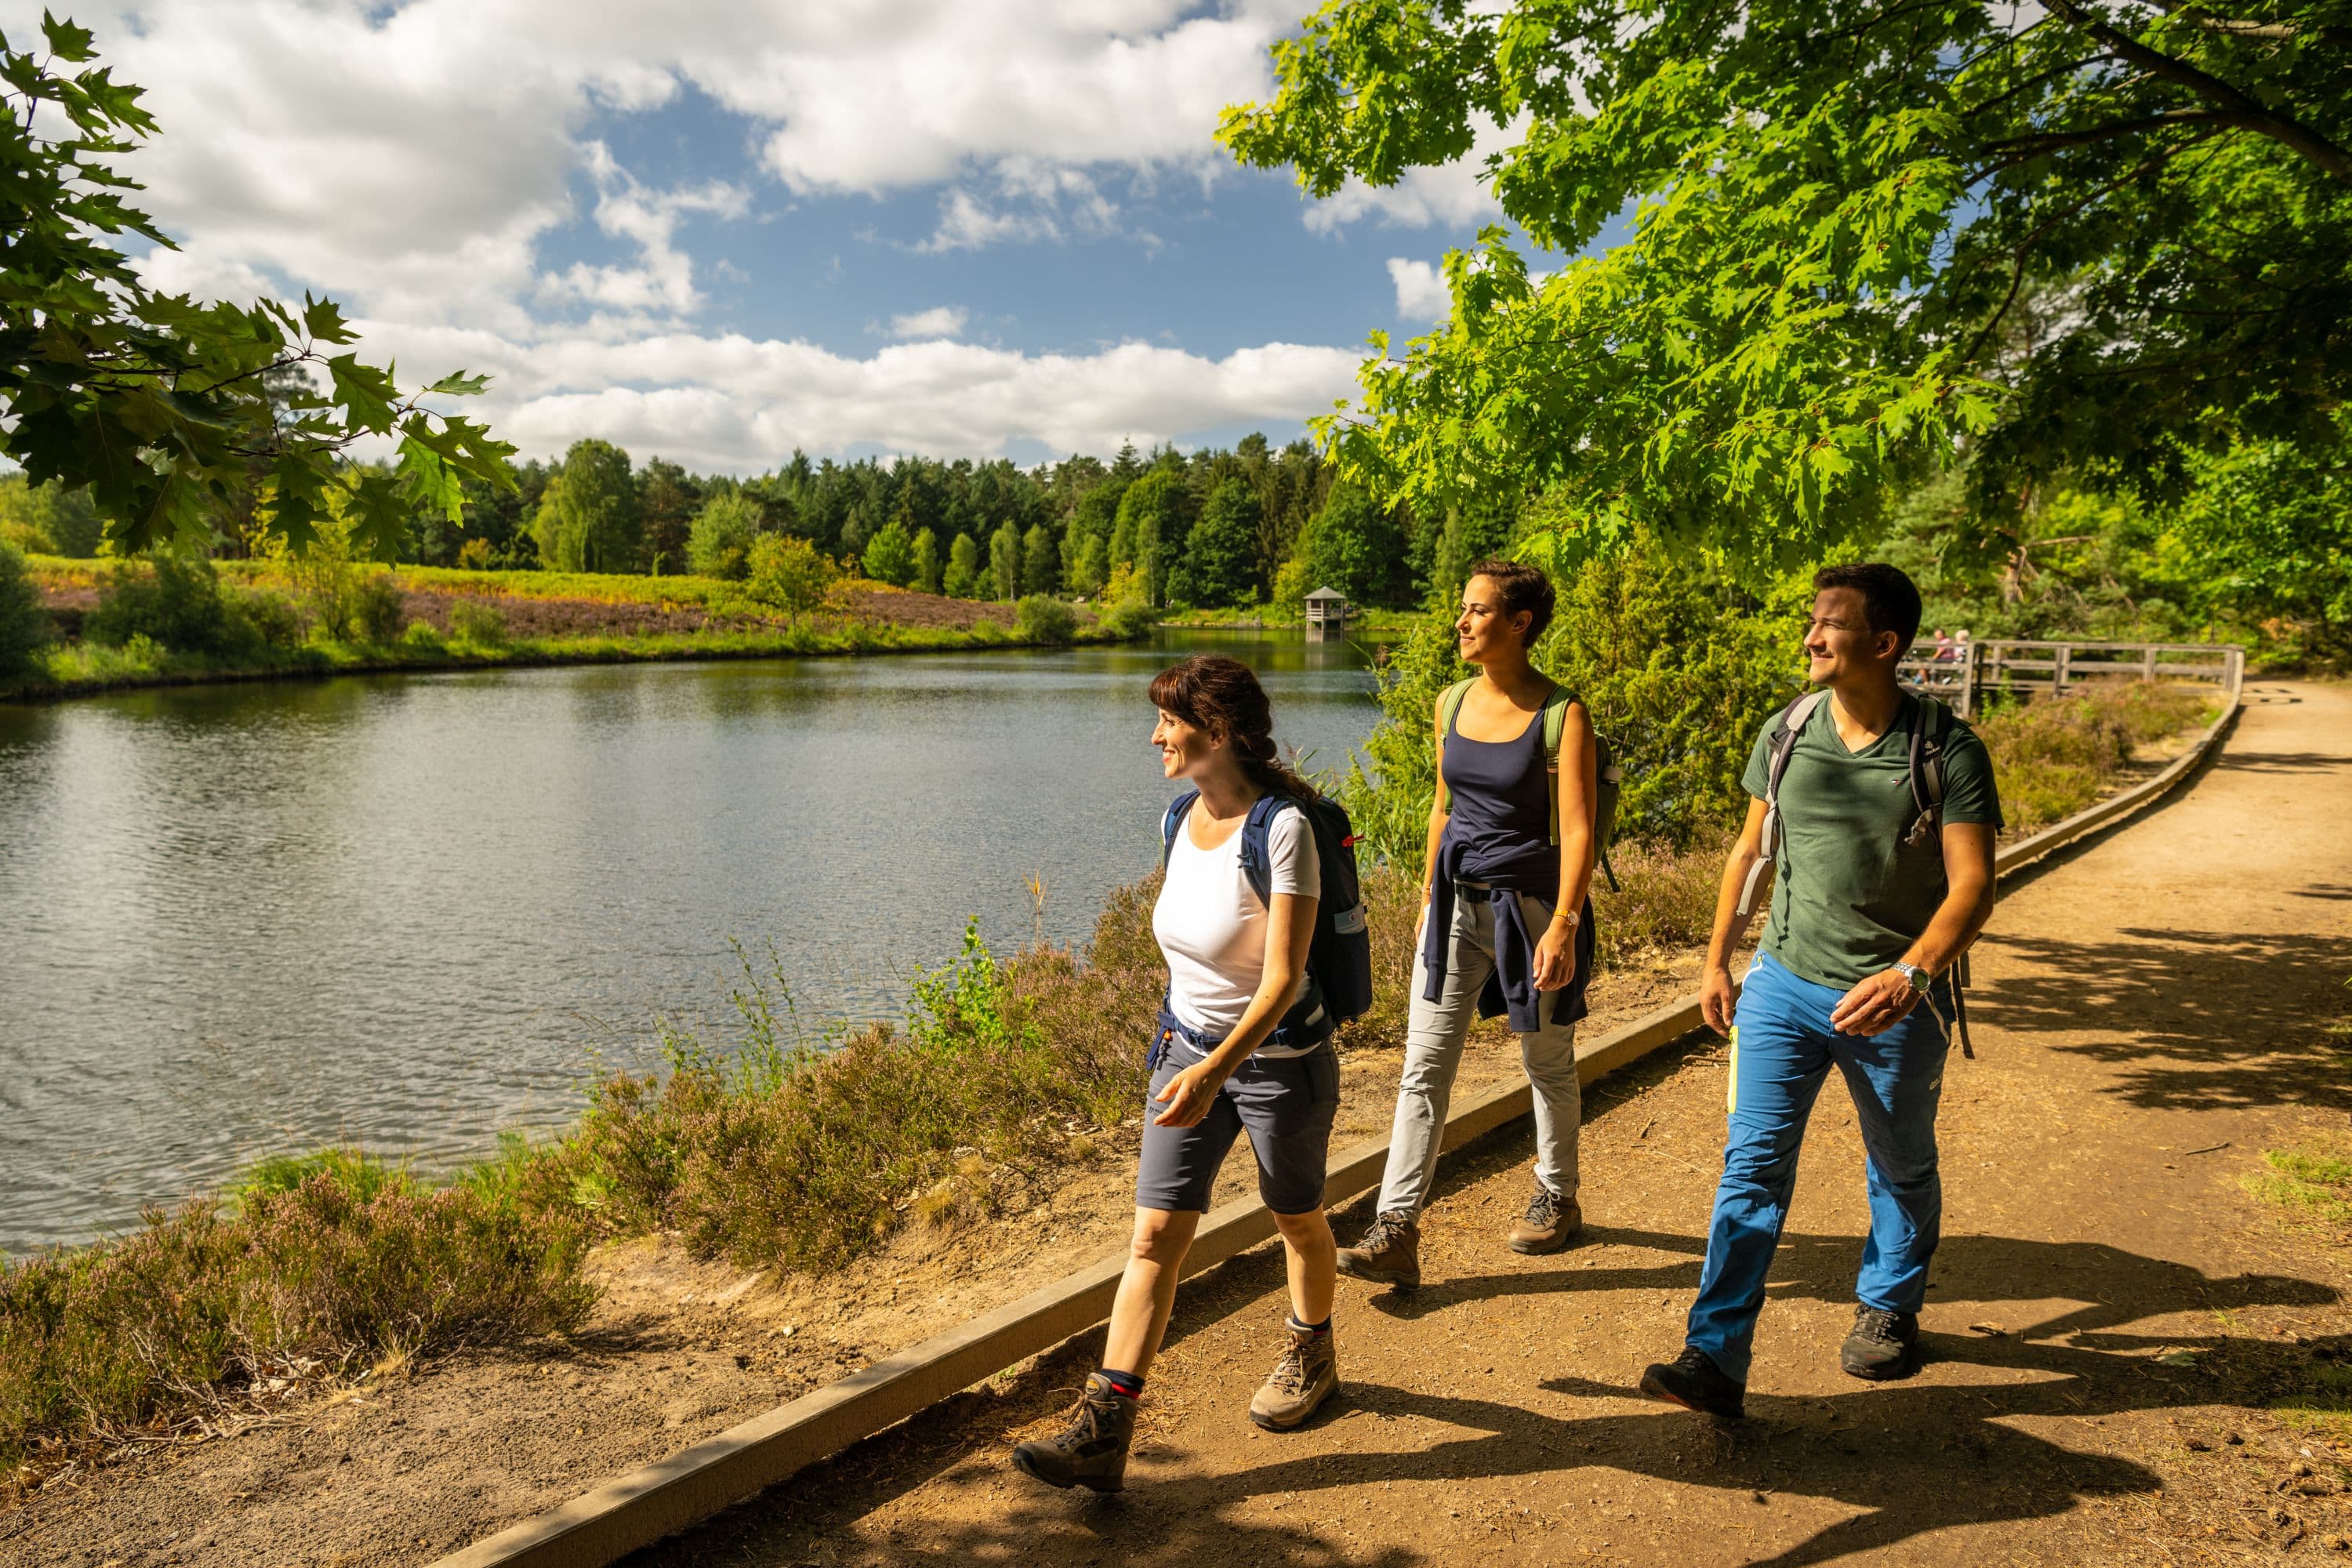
[
  {"x": 416, "y": 159},
  {"x": 1455, "y": 194},
  {"x": 731, "y": 402},
  {"x": 938, "y": 321},
  {"x": 662, "y": 283},
  {"x": 1421, "y": 291}
]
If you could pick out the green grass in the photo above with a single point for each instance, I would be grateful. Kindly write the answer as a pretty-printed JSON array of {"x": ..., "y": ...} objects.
[{"x": 2311, "y": 1184}]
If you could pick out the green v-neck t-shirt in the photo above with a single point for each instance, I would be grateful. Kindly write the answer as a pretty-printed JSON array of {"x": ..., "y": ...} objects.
[{"x": 1848, "y": 896}]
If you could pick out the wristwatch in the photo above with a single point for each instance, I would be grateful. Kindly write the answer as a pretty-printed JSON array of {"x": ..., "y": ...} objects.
[{"x": 1921, "y": 980}]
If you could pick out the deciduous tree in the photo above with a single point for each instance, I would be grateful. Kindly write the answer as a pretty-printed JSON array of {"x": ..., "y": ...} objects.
[{"x": 1837, "y": 211}]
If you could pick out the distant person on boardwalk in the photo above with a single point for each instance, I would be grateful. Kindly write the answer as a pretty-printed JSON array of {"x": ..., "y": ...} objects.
[
  {"x": 1506, "y": 924},
  {"x": 1874, "y": 902},
  {"x": 1242, "y": 1044},
  {"x": 1944, "y": 654}
]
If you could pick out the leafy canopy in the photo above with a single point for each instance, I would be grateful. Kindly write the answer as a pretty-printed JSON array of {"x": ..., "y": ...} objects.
[
  {"x": 155, "y": 403},
  {"x": 2084, "y": 237}
]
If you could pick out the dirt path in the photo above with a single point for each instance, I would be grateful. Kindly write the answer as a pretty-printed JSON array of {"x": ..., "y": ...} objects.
[{"x": 2112, "y": 1320}]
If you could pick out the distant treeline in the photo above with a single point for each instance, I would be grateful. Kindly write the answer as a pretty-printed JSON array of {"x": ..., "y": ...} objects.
[
  {"x": 1212, "y": 528},
  {"x": 1234, "y": 526}
]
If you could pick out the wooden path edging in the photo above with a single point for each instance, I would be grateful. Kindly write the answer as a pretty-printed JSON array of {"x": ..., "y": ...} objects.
[{"x": 640, "y": 1508}]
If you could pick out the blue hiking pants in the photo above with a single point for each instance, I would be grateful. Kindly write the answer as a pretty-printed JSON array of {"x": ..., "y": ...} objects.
[{"x": 1782, "y": 1049}]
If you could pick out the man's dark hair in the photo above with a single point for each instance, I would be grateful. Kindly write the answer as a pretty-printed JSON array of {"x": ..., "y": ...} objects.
[
  {"x": 1520, "y": 587},
  {"x": 1889, "y": 598}
]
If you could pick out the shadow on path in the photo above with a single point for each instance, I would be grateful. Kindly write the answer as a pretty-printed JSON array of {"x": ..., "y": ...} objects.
[{"x": 2192, "y": 1020}]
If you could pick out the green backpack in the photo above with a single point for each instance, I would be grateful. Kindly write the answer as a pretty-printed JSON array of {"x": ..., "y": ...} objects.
[{"x": 1609, "y": 777}]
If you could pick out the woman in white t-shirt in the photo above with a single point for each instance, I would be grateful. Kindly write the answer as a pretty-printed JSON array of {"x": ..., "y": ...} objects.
[{"x": 1242, "y": 1044}]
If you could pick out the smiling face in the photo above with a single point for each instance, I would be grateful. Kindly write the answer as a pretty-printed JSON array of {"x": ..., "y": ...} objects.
[
  {"x": 1184, "y": 749},
  {"x": 1839, "y": 641},
  {"x": 1484, "y": 628}
]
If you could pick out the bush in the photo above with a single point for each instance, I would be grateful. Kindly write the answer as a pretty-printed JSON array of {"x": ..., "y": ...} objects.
[
  {"x": 789, "y": 573},
  {"x": 321, "y": 1262},
  {"x": 274, "y": 621},
  {"x": 478, "y": 622},
  {"x": 1041, "y": 617},
  {"x": 175, "y": 600},
  {"x": 25, "y": 627}
]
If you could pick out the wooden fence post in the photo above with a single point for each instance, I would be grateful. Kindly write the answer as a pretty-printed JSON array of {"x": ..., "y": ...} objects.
[{"x": 2058, "y": 669}]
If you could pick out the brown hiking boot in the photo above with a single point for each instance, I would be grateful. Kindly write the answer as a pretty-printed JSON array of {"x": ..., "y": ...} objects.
[
  {"x": 1092, "y": 1450},
  {"x": 1390, "y": 1253},
  {"x": 1550, "y": 1224},
  {"x": 1306, "y": 1375}
]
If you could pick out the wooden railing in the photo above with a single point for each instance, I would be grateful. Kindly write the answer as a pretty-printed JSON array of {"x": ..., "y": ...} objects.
[{"x": 1977, "y": 669}]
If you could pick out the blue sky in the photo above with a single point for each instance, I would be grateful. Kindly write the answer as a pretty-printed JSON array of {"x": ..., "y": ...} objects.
[{"x": 718, "y": 231}]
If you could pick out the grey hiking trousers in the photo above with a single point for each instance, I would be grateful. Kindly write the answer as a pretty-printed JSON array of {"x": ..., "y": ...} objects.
[{"x": 1434, "y": 1032}]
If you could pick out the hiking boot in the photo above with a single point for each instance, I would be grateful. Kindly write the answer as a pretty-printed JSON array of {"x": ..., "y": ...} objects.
[
  {"x": 1092, "y": 1451},
  {"x": 1695, "y": 1382},
  {"x": 1390, "y": 1253},
  {"x": 1552, "y": 1223},
  {"x": 1882, "y": 1345},
  {"x": 1306, "y": 1375}
]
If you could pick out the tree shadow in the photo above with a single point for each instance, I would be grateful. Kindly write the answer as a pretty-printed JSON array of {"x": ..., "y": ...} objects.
[
  {"x": 2281, "y": 761},
  {"x": 2191, "y": 1020}
]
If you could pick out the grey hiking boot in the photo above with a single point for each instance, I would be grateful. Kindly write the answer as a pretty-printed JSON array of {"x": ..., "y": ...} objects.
[
  {"x": 1390, "y": 1253},
  {"x": 1883, "y": 1343},
  {"x": 1092, "y": 1451},
  {"x": 1550, "y": 1224},
  {"x": 1306, "y": 1375}
]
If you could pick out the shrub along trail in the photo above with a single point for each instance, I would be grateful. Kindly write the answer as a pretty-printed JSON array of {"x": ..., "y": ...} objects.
[{"x": 2133, "y": 1357}]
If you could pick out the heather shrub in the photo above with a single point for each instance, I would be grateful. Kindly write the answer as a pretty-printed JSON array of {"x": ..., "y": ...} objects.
[
  {"x": 320, "y": 1262},
  {"x": 2054, "y": 756}
]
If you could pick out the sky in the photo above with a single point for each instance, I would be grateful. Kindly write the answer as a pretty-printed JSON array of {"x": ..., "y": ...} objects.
[{"x": 718, "y": 232}]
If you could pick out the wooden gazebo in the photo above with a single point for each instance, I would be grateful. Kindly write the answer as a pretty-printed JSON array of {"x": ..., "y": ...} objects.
[{"x": 1327, "y": 613}]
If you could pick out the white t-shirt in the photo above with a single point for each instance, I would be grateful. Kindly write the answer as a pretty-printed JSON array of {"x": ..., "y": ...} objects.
[{"x": 1212, "y": 926}]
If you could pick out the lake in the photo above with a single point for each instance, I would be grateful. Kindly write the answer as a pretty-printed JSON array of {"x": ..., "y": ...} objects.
[{"x": 405, "y": 913}]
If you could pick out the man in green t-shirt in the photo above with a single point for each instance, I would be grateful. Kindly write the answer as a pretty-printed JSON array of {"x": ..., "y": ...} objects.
[{"x": 1874, "y": 900}]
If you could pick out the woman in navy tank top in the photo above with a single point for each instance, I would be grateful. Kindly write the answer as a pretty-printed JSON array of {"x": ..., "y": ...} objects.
[{"x": 1506, "y": 924}]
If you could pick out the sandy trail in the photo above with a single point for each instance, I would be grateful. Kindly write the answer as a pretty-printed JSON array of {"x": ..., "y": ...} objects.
[{"x": 2111, "y": 1319}]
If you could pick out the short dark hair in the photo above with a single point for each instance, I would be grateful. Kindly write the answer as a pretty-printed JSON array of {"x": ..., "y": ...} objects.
[
  {"x": 1520, "y": 587},
  {"x": 1889, "y": 598}
]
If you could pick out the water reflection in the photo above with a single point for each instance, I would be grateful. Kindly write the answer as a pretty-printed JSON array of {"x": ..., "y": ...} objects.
[{"x": 405, "y": 910}]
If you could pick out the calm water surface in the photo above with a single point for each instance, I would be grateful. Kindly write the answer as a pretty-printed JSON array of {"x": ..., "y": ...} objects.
[{"x": 408, "y": 911}]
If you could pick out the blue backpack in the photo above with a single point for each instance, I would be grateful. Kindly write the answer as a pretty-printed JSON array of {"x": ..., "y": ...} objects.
[{"x": 1340, "y": 961}]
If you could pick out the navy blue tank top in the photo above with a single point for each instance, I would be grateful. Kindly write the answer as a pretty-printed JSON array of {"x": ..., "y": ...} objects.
[{"x": 1499, "y": 809}]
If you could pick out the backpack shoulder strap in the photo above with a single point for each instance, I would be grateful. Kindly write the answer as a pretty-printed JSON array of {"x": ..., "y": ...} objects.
[
  {"x": 1555, "y": 721},
  {"x": 1178, "y": 810},
  {"x": 1779, "y": 743},
  {"x": 1257, "y": 855},
  {"x": 1931, "y": 723},
  {"x": 1793, "y": 720},
  {"x": 1449, "y": 706}
]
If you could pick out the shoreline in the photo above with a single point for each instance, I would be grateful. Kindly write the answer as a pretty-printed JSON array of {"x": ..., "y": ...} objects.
[{"x": 690, "y": 648}]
